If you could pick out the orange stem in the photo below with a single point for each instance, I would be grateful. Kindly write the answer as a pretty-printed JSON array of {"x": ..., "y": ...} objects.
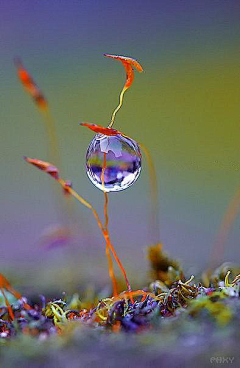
[
  {"x": 136, "y": 293},
  {"x": 106, "y": 236},
  {"x": 4, "y": 284},
  {"x": 105, "y": 193},
  {"x": 104, "y": 232},
  {"x": 110, "y": 263},
  {"x": 111, "y": 271}
]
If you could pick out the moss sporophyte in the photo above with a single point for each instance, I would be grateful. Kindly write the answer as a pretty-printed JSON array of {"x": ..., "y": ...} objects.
[{"x": 113, "y": 164}]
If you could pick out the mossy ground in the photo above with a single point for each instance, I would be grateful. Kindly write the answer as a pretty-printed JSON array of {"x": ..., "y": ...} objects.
[{"x": 174, "y": 322}]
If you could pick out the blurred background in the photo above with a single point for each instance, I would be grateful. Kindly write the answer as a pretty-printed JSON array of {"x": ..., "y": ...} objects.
[{"x": 184, "y": 108}]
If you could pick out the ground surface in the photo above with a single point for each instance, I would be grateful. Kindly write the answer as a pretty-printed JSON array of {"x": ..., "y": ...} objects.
[{"x": 174, "y": 322}]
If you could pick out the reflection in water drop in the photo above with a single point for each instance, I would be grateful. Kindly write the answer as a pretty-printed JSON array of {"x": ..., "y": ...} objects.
[{"x": 123, "y": 162}]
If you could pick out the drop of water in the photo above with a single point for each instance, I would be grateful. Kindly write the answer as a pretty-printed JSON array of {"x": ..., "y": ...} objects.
[{"x": 123, "y": 162}]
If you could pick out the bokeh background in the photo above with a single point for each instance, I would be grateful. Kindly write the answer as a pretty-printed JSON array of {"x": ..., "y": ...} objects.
[{"x": 184, "y": 108}]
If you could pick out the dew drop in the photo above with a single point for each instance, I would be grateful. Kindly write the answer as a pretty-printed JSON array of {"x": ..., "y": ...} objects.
[{"x": 123, "y": 162}]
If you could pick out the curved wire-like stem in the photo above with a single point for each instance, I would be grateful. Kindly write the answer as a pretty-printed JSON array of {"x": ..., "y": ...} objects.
[
  {"x": 129, "y": 65},
  {"x": 225, "y": 227},
  {"x": 118, "y": 107}
]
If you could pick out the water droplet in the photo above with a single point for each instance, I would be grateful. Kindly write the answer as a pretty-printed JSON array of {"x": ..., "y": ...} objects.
[{"x": 123, "y": 162}]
